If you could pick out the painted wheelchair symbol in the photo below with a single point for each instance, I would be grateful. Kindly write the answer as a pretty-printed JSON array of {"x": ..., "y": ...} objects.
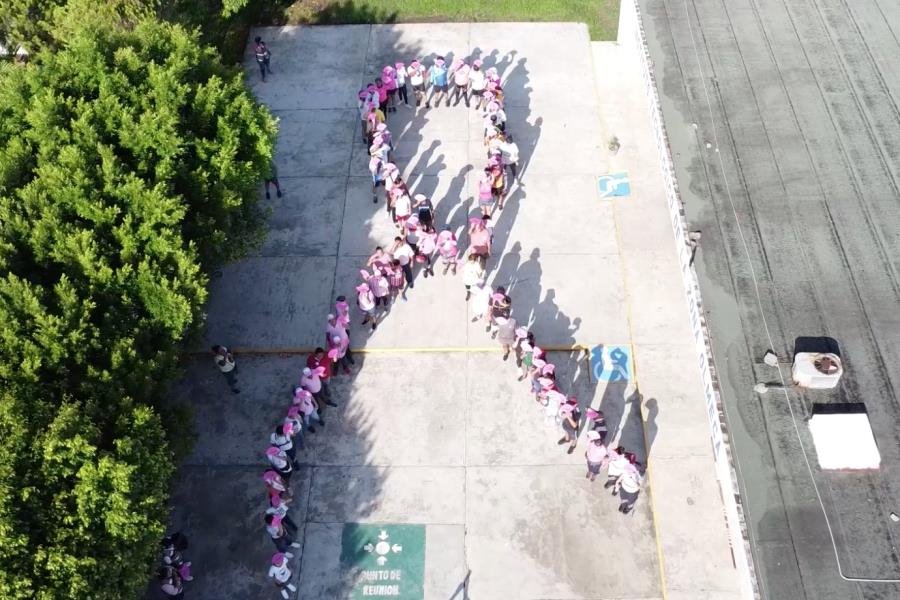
[
  {"x": 611, "y": 363},
  {"x": 616, "y": 184}
]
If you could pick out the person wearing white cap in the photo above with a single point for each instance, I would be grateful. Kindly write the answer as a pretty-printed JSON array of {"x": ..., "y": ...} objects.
[
  {"x": 338, "y": 352},
  {"x": 477, "y": 83},
  {"x": 596, "y": 455},
  {"x": 310, "y": 380},
  {"x": 281, "y": 574},
  {"x": 629, "y": 484}
]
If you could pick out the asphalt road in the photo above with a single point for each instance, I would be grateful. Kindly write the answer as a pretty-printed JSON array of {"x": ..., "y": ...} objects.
[{"x": 783, "y": 120}]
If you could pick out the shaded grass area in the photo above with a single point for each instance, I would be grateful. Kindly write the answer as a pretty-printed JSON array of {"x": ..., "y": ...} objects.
[{"x": 230, "y": 34}]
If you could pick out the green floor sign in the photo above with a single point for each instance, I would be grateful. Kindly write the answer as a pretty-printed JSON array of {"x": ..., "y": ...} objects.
[{"x": 384, "y": 561}]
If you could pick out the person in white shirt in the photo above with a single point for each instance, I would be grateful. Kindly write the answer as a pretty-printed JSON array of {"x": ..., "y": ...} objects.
[
  {"x": 404, "y": 254},
  {"x": 416, "y": 72},
  {"x": 472, "y": 274},
  {"x": 509, "y": 153},
  {"x": 477, "y": 83},
  {"x": 225, "y": 361},
  {"x": 281, "y": 438},
  {"x": 281, "y": 574},
  {"x": 629, "y": 483},
  {"x": 616, "y": 461}
]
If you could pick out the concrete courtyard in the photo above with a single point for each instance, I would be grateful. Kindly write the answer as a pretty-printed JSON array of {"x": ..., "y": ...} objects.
[{"x": 432, "y": 428}]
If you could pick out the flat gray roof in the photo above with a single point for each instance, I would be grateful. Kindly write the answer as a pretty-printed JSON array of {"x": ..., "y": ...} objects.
[{"x": 785, "y": 129}]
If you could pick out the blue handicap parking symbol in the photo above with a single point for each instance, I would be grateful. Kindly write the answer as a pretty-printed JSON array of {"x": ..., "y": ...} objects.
[
  {"x": 611, "y": 363},
  {"x": 616, "y": 184}
]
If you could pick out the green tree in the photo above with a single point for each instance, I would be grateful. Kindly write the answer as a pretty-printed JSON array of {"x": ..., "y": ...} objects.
[{"x": 129, "y": 166}]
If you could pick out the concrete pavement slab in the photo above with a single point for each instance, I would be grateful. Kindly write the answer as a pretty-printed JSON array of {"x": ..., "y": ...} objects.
[
  {"x": 551, "y": 544},
  {"x": 433, "y": 316},
  {"x": 559, "y": 314},
  {"x": 392, "y": 400},
  {"x": 403, "y": 43},
  {"x": 300, "y": 57},
  {"x": 306, "y": 220},
  {"x": 427, "y": 494},
  {"x": 655, "y": 292},
  {"x": 221, "y": 510},
  {"x": 367, "y": 224},
  {"x": 275, "y": 302},
  {"x": 316, "y": 143}
]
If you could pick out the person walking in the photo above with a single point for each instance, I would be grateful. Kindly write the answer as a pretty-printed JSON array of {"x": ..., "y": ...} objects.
[
  {"x": 616, "y": 466},
  {"x": 485, "y": 192},
  {"x": 279, "y": 508},
  {"x": 339, "y": 346},
  {"x": 280, "y": 462},
  {"x": 401, "y": 83},
  {"x": 459, "y": 72},
  {"x": 225, "y": 361},
  {"x": 335, "y": 328},
  {"x": 477, "y": 83},
  {"x": 437, "y": 77},
  {"x": 170, "y": 582},
  {"x": 480, "y": 240},
  {"x": 310, "y": 380},
  {"x": 498, "y": 185},
  {"x": 281, "y": 537},
  {"x": 281, "y": 574},
  {"x": 506, "y": 334},
  {"x": 172, "y": 557},
  {"x": 319, "y": 359},
  {"x": 275, "y": 484},
  {"x": 404, "y": 255},
  {"x": 272, "y": 179},
  {"x": 501, "y": 306},
  {"x": 596, "y": 455},
  {"x": 263, "y": 57},
  {"x": 309, "y": 409},
  {"x": 472, "y": 274},
  {"x": 427, "y": 244},
  {"x": 509, "y": 154},
  {"x": 416, "y": 72},
  {"x": 366, "y": 301},
  {"x": 282, "y": 438},
  {"x": 447, "y": 248},
  {"x": 481, "y": 301},
  {"x": 381, "y": 290},
  {"x": 629, "y": 484},
  {"x": 569, "y": 416},
  {"x": 425, "y": 212},
  {"x": 596, "y": 421},
  {"x": 389, "y": 77}
]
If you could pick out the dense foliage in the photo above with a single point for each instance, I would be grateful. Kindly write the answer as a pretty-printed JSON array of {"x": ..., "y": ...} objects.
[{"x": 129, "y": 166}]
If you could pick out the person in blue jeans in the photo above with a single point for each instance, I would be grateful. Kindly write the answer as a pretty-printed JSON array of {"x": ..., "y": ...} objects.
[{"x": 437, "y": 77}]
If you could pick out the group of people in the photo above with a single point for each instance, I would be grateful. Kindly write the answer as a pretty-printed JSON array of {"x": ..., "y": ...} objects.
[
  {"x": 389, "y": 273},
  {"x": 173, "y": 570}
]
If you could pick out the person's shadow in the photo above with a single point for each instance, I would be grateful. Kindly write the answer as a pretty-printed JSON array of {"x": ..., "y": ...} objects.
[
  {"x": 506, "y": 271},
  {"x": 527, "y": 282}
]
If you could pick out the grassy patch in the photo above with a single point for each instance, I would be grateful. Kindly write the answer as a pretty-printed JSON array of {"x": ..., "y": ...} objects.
[{"x": 230, "y": 34}]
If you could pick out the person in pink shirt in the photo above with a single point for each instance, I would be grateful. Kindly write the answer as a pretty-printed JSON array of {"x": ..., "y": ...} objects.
[
  {"x": 366, "y": 301},
  {"x": 596, "y": 455},
  {"x": 479, "y": 240},
  {"x": 334, "y": 328},
  {"x": 380, "y": 288},
  {"x": 309, "y": 408},
  {"x": 338, "y": 348},
  {"x": 275, "y": 484},
  {"x": 447, "y": 248},
  {"x": 379, "y": 258},
  {"x": 343, "y": 310},
  {"x": 485, "y": 192},
  {"x": 309, "y": 380},
  {"x": 396, "y": 279},
  {"x": 389, "y": 77},
  {"x": 382, "y": 95},
  {"x": 459, "y": 73},
  {"x": 426, "y": 247}
]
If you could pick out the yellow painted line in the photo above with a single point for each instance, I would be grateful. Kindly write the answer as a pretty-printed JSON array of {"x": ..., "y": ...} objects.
[
  {"x": 628, "y": 311},
  {"x": 634, "y": 366}
]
